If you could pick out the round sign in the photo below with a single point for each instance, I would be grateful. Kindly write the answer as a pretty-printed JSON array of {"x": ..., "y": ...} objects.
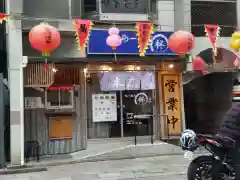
[
  {"x": 141, "y": 99},
  {"x": 159, "y": 43}
]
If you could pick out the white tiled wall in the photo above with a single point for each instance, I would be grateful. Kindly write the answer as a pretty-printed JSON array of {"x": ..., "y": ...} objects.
[
  {"x": 187, "y": 14},
  {"x": 174, "y": 15},
  {"x": 166, "y": 15}
]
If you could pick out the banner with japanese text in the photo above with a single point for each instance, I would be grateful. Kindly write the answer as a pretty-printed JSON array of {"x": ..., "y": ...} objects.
[
  {"x": 83, "y": 29},
  {"x": 121, "y": 81},
  {"x": 172, "y": 104}
]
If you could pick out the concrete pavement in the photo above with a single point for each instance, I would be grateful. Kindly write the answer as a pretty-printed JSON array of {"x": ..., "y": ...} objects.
[
  {"x": 103, "y": 150},
  {"x": 151, "y": 168},
  {"x": 114, "y": 149}
]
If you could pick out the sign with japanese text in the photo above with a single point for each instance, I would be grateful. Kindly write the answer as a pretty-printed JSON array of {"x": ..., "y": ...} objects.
[
  {"x": 124, "y": 6},
  {"x": 120, "y": 81},
  {"x": 172, "y": 103},
  {"x": 158, "y": 46},
  {"x": 83, "y": 29},
  {"x": 144, "y": 34}
]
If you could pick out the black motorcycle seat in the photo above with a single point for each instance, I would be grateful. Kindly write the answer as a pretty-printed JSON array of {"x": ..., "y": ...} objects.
[
  {"x": 205, "y": 136},
  {"x": 226, "y": 142}
]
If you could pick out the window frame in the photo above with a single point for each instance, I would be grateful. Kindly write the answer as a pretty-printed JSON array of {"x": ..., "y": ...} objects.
[{"x": 70, "y": 106}]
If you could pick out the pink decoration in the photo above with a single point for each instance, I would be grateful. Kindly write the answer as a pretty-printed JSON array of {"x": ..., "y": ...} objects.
[
  {"x": 113, "y": 31},
  {"x": 114, "y": 41},
  {"x": 199, "y": 65},
  {"x": 236, "y": 63}
]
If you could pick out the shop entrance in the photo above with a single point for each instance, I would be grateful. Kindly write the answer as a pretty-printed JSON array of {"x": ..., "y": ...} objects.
[
  {"x": 122, "y": 104},
  {"x": 134, "y": 114},
  {"x": 137, "y": 113}
]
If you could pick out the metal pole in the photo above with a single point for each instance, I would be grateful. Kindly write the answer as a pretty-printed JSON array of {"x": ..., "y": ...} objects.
[
  {"x": 2, "y": 142},
  {"x": 121, "y": 111}
]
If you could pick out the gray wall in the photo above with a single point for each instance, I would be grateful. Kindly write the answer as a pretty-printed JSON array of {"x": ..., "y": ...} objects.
[
  {"x": 37, "y": 126},
  {"x": 60, "y": 9},
  {"x": 95, "y": 130},
  {"x": 67, "y": 48},
  {"x": 174, "y": 15}
]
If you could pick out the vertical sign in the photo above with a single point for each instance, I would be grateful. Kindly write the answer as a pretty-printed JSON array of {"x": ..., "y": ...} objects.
[{"x": 172, "y": 103}]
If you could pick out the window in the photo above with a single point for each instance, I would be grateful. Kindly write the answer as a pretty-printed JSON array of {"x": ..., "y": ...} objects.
[
  {"x": 56, "y": 99},
  {"x": 46, "y": 9},
  {"x": 90, "y": 6},
  {"x": 205, "y": 12}
]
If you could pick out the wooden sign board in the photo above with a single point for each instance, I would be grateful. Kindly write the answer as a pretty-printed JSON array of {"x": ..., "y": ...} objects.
[{"x": 60, "y": 128}]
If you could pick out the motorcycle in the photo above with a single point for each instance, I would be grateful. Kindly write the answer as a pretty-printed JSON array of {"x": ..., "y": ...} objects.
[{"x": 217, "y": 166}]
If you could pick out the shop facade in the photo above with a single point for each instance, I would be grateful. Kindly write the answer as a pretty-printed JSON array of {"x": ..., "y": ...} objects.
[
  {"x": 73, "y": 99},
  {"x": 146, "y": 90}
]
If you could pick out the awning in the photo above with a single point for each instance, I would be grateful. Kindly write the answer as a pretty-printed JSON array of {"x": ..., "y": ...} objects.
[{"x": 62, "y": 87}]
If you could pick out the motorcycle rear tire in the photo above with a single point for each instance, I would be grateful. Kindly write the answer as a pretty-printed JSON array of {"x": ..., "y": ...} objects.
[{"x": 195, "y": 164}]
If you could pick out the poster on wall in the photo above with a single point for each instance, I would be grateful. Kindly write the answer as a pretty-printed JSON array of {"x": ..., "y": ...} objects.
[
  {"x": 33, "y": 102},
  {"x": 104, "y": 107}
]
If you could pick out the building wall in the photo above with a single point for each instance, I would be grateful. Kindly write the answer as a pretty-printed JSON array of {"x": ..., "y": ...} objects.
[
  {"x": 68, "y": 48},
  {"x": 36, "y": 124},
  {"x": 174, "y": 15}
]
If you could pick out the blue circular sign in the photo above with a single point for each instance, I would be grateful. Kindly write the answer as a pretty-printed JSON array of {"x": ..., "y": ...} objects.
[{"x": 159, "y": 43}]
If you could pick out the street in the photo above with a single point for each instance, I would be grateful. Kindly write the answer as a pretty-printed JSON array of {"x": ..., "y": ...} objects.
[{"x": 152, "y": 168}]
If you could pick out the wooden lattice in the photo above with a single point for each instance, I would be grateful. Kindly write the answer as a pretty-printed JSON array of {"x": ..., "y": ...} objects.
[{"x": 36, "y": 75}]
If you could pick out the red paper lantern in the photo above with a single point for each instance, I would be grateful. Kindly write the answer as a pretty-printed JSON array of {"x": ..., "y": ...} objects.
[
  {"x": 181, "y": 42},
  {"x": 198, "y": 64},
  {"x": 44, "y": 38}
]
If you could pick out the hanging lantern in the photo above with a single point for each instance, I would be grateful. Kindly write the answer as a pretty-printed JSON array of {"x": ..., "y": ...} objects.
[
  {"x": 3, "y": 17},
  {"x": 235, "y": 41},
  {"x": 114, "y": 40},
  {"x": 144, "y": 36},
  {"x": 44, "y": 38},
  {"x": 198, "y": 64},
  {"x": 181, "y": 42},
  {"x": 113, "y": 31}
]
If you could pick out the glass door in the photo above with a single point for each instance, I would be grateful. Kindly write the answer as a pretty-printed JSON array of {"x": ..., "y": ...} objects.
[{"x": 137, "y": 112}]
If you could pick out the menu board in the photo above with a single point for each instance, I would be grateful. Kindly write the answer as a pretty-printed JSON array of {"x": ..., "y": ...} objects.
[{"x": 104, "y": 107}]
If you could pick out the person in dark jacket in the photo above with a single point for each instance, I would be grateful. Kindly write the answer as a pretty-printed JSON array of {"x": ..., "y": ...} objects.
[{"x": 229, "y": 133}]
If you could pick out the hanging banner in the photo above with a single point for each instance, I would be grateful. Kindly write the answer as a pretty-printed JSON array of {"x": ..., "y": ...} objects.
[
  {"x": 212, "y": 32},
  {"x": 83, "y": 29},
  {"x": 121, "y": 81},
  {"x": 144, "y": 36},
  {"x": 172, "y": 104},
  {"x": 3, "y": 17}
]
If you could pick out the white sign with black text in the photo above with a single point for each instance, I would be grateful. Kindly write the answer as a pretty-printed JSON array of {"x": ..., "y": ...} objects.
[{"x": 104, "y": 107}]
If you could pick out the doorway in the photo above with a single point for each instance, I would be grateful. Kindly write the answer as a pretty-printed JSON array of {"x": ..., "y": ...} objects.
[
  {"x": 130, "y": 113},
  {"x": 134, "y": 114},
  {"x": 137, "y": 113}
]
